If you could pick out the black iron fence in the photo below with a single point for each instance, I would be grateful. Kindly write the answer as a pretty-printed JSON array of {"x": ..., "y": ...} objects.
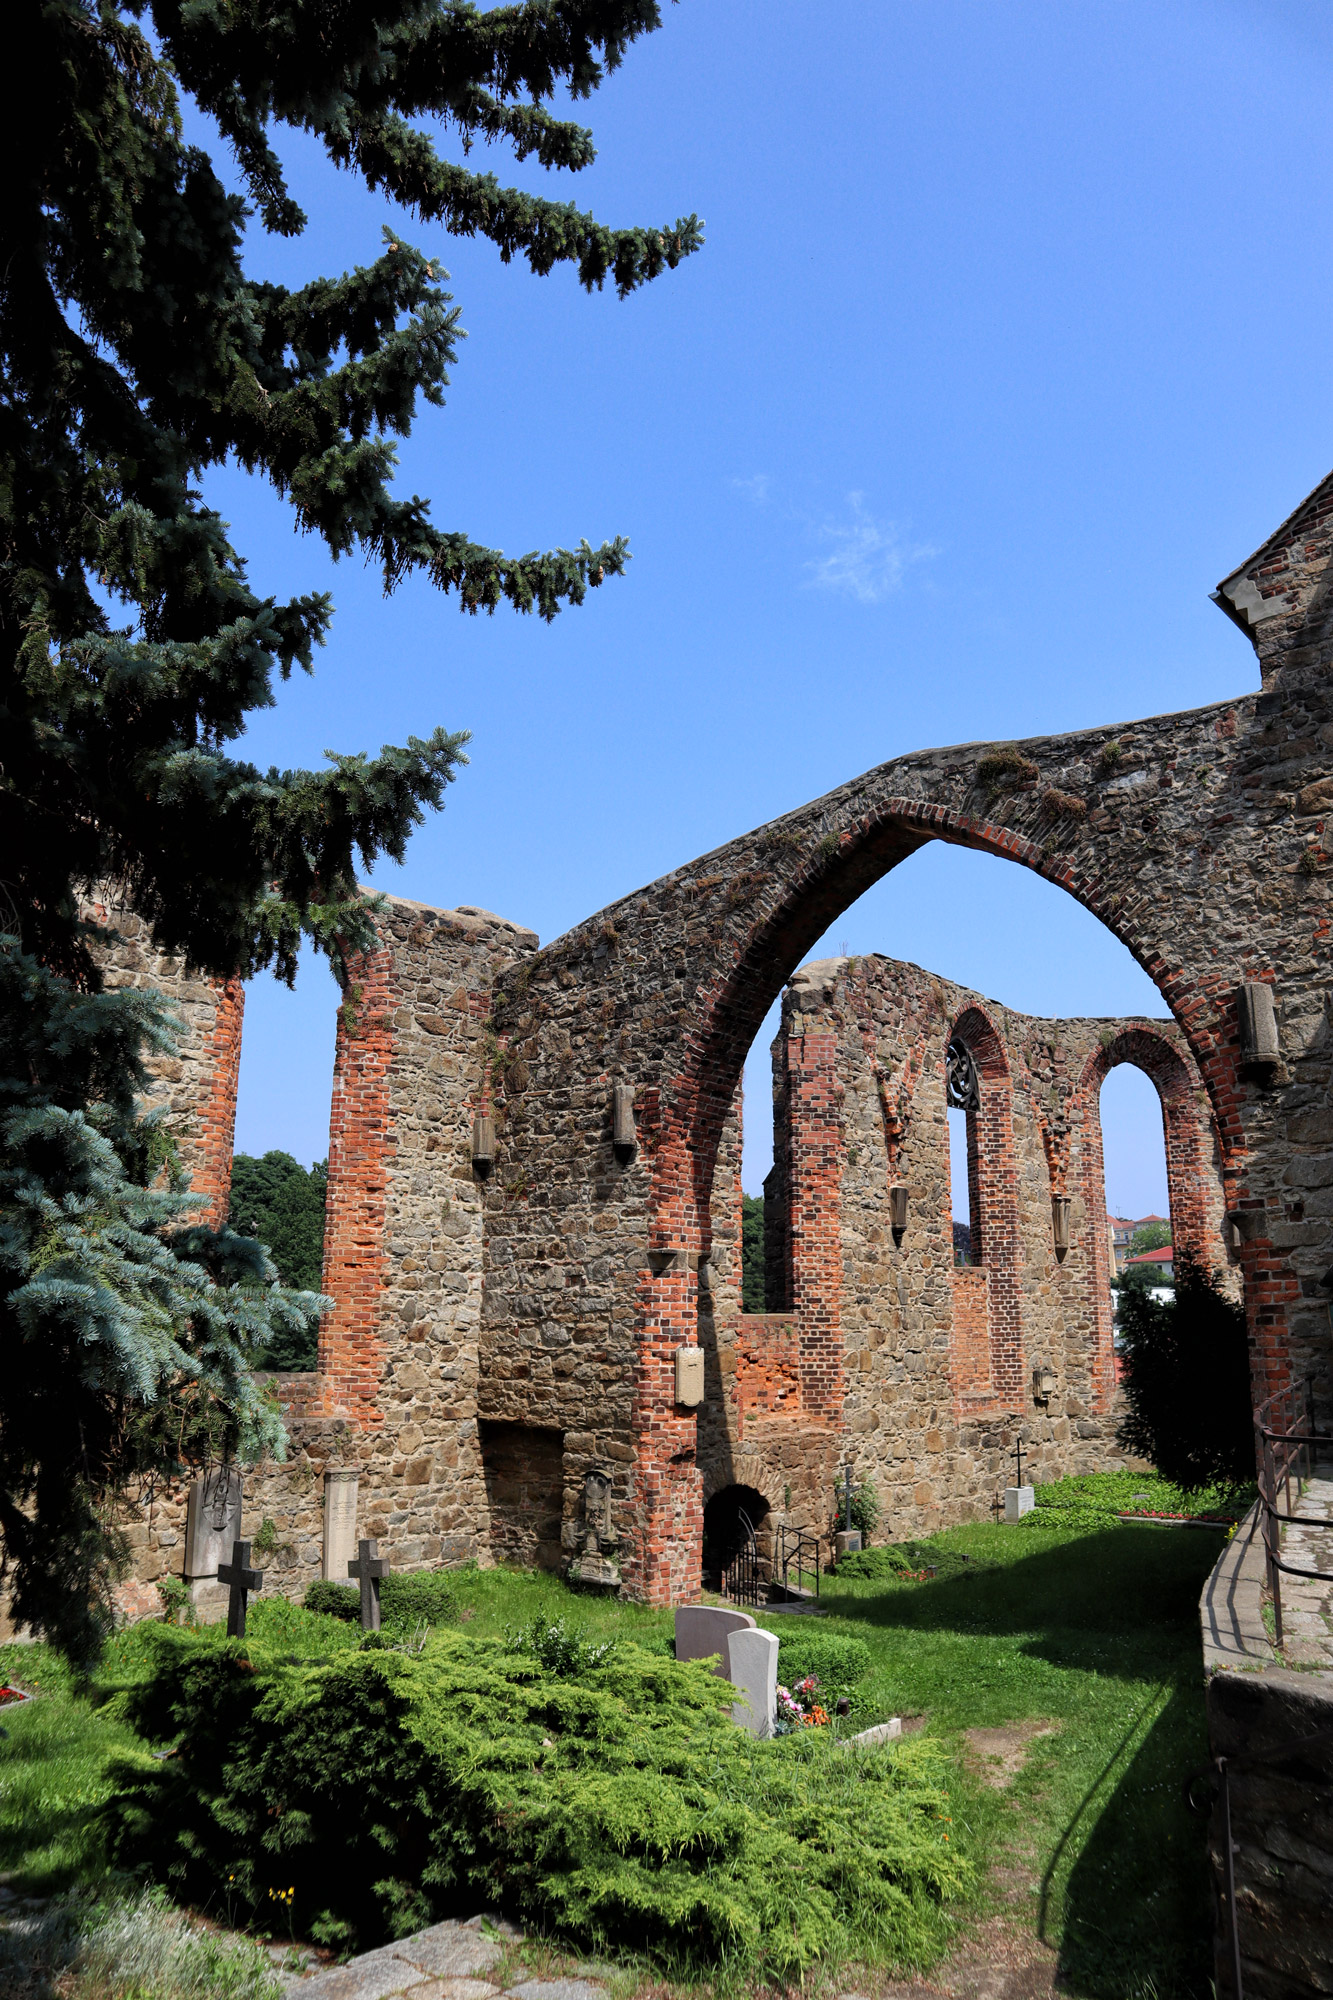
[
  {"x": 1288, "y": 1444},
  {"x": 740, "y": 1578}
]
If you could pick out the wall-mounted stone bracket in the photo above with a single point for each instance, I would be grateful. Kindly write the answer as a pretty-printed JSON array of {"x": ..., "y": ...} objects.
[
  {"x": 1259, "y": 1045},
  {"x": 689, "y": 1377},
  {"x": 624, "y": 1132},
  {"x": 483, "y": 1144},
  {"x": 1060, "y": 1207},
  {"x": 898, "y": 1201}
]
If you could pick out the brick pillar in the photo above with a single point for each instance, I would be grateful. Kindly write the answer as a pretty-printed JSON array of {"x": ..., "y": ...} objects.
[
  {"x": 1091, "y": 1175},
  {"x": 1001, "y": 1235},
  {"x": 361, "y": 1146},
  {"x": 215, "y": 1138},
  {"x": 664, "y": 1546}
]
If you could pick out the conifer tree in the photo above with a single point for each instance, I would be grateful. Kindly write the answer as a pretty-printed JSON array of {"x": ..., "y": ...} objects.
[{"x": 135, "y": 354}]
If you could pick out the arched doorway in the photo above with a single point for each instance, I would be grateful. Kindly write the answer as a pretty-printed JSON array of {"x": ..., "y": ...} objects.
[{"x": 730, "y": 1518}]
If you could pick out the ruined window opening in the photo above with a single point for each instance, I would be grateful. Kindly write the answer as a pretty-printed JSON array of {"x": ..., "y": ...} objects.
[
  {"x": 962, "y": 1096},
  {"x": 1132, "y": 1120}
]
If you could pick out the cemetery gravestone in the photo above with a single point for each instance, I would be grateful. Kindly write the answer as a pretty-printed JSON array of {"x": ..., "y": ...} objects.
[
  {"x": 703, "y": 1630},
  {"x": 240, "y": 1580},
  {"x": 340, "y": 1495},
  {"x": 1018, "y": 1501},
  {"x": 212, "y": 1522},
  {"x": 368, "y": 1568},
  {"x": 753, "y": 1661}
]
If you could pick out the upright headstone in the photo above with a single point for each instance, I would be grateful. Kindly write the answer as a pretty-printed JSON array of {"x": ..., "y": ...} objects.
[
  {"x": 212, "y": 1522},
  {"x": 704, "y": 1629},
  {"x": 340, "y": 1491},
  {"x": 754, "y": 1675},
  {"x": 1018, "y": 1501}
]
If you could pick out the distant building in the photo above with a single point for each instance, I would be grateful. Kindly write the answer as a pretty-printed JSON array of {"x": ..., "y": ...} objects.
[
  {"x": 1160, "y": 1258},
  {"x": 1122, "y": 1232}
]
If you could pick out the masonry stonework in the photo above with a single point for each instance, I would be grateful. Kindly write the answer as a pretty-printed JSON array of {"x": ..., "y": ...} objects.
[{"x": 551, "y": 1295}]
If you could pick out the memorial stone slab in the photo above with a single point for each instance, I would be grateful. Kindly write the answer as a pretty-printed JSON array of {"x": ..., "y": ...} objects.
[
  {"x": 754, "y": 1675},
  {"x": 1018, "y": 1501},
  {"x": 704, "y": 1629},
  {"x": 212, "y": 1522},
  {"x": 340, "y": 1493}
]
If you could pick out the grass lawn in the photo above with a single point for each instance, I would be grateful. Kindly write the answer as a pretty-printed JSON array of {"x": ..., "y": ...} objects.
[{"x": 1062, "y": 1668}]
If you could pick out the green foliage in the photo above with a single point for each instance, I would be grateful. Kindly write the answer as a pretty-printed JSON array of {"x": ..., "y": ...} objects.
[
  {"x": 1152, "y": 1236},
  {"x": 614, "y": 1805},
  {"x": 1095, "y": 1499},
  {"x": 137, "y": 356},
  {"x": 865, "y": 1508},
  {"x": 423, "y": 1595},
  {"x": 276, "y": 1200},
  {"x": 1187, "y": 1382},
  {"x": 128, "y": 1339},
  {"x": 837, "y": 1664},
  {"x": 280, "y": 1202},
  {"x": 752, "y": 1254},
  {"x": 874, "y": 1565}
]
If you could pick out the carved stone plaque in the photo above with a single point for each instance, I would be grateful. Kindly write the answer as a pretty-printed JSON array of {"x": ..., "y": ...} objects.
[
  {"x": 212, "y": 1521},
  {"x": 340, "y": 1491}
]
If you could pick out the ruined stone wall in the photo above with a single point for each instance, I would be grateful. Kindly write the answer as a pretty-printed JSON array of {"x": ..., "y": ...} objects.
[
  {"x": 396, "y": 1394},
  {"x": 889, "y": 1357},
  {"x": 1204, "y": 841},
  {"x": 195, "y": 1086}
]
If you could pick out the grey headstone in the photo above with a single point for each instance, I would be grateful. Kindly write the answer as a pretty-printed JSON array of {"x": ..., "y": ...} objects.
[
  {"x": 212, "y": 1521},
  {"x": 1018, "y": 1501},
  {"x": 704, "y": 1629},
  {"x": 754, "y": 1675}
]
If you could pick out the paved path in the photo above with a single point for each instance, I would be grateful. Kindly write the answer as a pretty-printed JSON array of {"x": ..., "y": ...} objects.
[{"x": 1307, "y": 1602}]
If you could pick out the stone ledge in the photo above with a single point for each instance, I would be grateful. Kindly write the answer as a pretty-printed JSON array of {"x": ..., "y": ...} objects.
[{"x": 1231, "y": 1606}]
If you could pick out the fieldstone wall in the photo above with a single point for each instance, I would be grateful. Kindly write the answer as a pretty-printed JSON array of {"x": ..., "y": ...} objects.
[
  {"x": 555, "y": 1293},
  {"x": 878, "y": 1351}
]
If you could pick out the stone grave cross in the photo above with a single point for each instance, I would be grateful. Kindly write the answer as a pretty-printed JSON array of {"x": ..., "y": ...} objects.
[
  {"x": 241, "y": 1579},
  {"x": 369, "y": 1567}
]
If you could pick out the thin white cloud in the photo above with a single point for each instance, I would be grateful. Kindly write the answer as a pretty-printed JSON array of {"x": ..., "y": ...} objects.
[
  {"x": 755, "y": 488},
  {"x": 867, "y": 558}
]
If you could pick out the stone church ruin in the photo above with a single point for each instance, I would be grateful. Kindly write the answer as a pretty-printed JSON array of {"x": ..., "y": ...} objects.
[{"x": 537, "y": 1352}]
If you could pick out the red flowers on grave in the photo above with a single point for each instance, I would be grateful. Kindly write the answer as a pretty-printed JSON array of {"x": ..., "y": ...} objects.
[{"x": 798, "y": 1709}]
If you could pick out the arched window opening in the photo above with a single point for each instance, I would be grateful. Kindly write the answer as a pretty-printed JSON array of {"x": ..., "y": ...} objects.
[
  {"x": 963, "y": 1102},
  {"x": 1134, "y": 1166}
]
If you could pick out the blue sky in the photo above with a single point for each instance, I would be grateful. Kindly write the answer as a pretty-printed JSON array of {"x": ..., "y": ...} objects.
[{"x": 1008, "y": 341}]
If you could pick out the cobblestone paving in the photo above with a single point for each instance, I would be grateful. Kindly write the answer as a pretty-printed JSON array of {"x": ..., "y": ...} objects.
[{"x": 1307, "y": 1602}]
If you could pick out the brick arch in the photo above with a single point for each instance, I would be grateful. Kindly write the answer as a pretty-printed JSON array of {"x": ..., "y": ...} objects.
[
  {"x": 751, "y": 929},
  {"x": 1186, "y": 1136}
]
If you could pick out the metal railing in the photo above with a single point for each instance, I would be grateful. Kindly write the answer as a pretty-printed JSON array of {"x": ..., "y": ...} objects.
[
  {"x": 1286, "y": 1437},
  {"x": 740, "y": 1578},
  {"x": 798, "y": 1550}
]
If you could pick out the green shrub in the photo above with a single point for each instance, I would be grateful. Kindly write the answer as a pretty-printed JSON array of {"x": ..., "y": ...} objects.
[
  {"x": 1187, "y": 1382},
  {"x": 1094, "y": 1499},
  {"x": 837, "y": 1664},
  {"x": 875, "y": 1565},
  {"x": 426, "y": 1595},
  {"x": 617, "y": 1808}
]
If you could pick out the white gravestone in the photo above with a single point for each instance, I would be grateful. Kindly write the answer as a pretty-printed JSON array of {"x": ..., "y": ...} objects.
[
  {"x": 1018, "y": 1501},
  {"x": 754, "y": 1675},
  {"x": 340, "y": 1490},
  {"x": 704, "y": 1629},
  {"x": 212, "y": 1522}
]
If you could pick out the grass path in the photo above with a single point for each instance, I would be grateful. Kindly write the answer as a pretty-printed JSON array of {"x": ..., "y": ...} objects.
[{"x": 1062, "y": 1668}]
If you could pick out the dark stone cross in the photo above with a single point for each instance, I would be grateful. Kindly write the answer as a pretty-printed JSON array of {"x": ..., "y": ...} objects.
[
  {"x": 1018, "y": 1456},
  {"x": 369, "y": 1568},
  {"x": 242, "y": 1580}
]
